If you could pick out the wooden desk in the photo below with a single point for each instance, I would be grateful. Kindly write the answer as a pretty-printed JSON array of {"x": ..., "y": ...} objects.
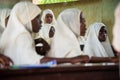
[{"x": 75, "y": 72}]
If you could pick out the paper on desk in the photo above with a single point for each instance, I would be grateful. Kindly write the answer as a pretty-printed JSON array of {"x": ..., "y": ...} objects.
[{"x": 44, "y": 65}]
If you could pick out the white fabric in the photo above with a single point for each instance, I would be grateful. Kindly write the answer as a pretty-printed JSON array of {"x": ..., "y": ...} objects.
[
  {"x": 45, "y": 29},
  {"x": 93, "y": 46},
  {"x": 4, "y": 13},
  {"x": 116, "y": 29},
  {"x": 44, "y": 32},
  {"x": 81, "y": 40},
  {"x": 16, "y": 41},
  {"x": 45, "y": 12},
  {"x": 65, "y": 42}
]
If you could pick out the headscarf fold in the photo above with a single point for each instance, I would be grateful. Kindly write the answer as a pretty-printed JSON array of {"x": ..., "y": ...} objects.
[
  {"x": 93, "y": 46},
  {"x": 16, "y": 41},
  {"x": 45, "y": 12},
  {"x": 65, "y": 42},
  {"x": 4, "y": 13},
  {"x": 44, "y": 32}
]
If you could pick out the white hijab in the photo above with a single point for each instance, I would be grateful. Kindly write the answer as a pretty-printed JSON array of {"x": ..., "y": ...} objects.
[
  {"x": 4, "y": 13},
  {"x": 44, "y": 32},
  {"x": 65, "y": 42},
  {"x": 93, "y": 46},
  {"x": 116, "y": 29},
  {"x": 16, "y": 41},
  {"x": 82, "y": 40},
  {"x": 45, "y": 12}
]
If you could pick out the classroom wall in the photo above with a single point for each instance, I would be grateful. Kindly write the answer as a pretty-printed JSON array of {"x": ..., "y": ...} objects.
[
  {"x": 88, "y": 7},
  {"x": 94, "y": 10},
  {"x": 9, "y": 3},
  {"x": 108, "y": 8}
]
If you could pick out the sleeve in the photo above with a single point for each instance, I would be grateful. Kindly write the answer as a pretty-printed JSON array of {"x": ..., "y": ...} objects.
[
  {"x": 88, "y": 50},
  {"x": 26, "y": 50}
]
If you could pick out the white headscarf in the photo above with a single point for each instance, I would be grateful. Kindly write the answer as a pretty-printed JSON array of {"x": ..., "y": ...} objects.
[
  {"x": 44, "y": 32},
  {"x": 16, "y": 41},
  {"x": 116, "y": 29},
  {"x": 45, "y": 12},
  {"x": 93, "y": 46},
  {"x": 65, "y": 42},
  {"x": 82, "y": 40},
  {"x": 4, "y": 13}
]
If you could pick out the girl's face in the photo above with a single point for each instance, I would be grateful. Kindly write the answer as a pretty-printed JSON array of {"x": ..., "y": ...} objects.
[
  {"x": 48, "y": 18},
  {"x": 52, "y": 32},
  {"x": 102, "y": 34},
  {"x": 82, "y": 26},
  {"x": 36, "y": 24}
]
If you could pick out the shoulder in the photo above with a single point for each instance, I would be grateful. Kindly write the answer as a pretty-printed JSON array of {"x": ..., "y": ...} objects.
[{"x": 25, "y": 36}]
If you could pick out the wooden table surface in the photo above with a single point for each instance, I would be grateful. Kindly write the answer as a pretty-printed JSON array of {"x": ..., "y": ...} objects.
[{"x": 66, "y": 72}]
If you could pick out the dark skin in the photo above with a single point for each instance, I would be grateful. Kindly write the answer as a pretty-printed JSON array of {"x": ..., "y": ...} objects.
[
  {"x": 82, "y": 26},
  {"x": 102, "y": 34},
  {"x": 5, "y": 61},
  {"x": 104, "y": 59},
  {"x": 6, "y": 21},
  {"x": 102, "y": 37},
  {"x": 82, "y": 58},
  {"x": 46, "y": 47},
  {"x": 42, "y": 50},
  {"x": 51, "y": 32},
  {"x": 48, "y": 18},
  {"x": 73, "y": 60},
  {"x": 36, "y": 23}
]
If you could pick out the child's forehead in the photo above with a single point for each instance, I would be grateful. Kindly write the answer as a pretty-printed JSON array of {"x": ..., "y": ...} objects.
[{"x": 103, "y": 28}]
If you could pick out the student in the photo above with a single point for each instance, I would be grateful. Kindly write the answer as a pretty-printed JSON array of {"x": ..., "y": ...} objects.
[
  {"x": 46, "y": 36},
  {"x": 97, "y": 43},
  {"x": 48, "y": 25},
  {"x": 17, "y": 42},
  {"x": 48, "y": 17},
  {"x": 65, "y": 42},
  {"x": 4, "y": 15},
  {"x": 82, "y": 37},
  {"x": 47, "y": 31}
]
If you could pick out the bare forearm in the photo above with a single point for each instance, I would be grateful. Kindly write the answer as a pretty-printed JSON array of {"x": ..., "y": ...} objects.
[
  {"x": 59, "y": 60},
  {"x": 100, "y": 59},
  {"x": 73, "y": 60}
]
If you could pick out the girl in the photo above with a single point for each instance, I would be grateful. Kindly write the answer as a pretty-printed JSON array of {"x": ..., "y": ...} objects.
[{"x": 17, "y": 42}]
